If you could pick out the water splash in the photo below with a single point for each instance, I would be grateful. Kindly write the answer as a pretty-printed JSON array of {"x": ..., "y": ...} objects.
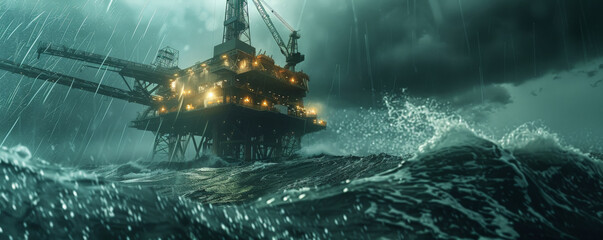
[
  {"x": 408, "y": 126},
  {"x": 399, "y": 127},
  {"x": 18, "y": 155},
  {"x": 533, "y": 136}
]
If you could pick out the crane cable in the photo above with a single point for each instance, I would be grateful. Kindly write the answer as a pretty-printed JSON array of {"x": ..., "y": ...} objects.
[{"x": 278, "y": 16}]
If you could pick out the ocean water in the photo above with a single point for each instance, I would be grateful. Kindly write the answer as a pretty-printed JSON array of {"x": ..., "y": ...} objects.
[{"x": 405, "y": 171}]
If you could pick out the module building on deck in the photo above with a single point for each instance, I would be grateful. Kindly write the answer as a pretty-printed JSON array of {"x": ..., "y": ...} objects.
[{"x": 238, "y": 105}]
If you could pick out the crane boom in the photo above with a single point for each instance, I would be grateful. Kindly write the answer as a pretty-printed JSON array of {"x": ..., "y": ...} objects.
[
  {"x": 62, "y": 79},
  {"x": 290, "y": 50},
  {"x": 278, "y": 16},
  {"x": 126, "y": 68},
  {"x": 271, "y": 27}
]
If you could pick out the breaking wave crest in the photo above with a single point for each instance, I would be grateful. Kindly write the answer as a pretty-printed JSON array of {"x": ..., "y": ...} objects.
[{"x": 398, "y": 128}]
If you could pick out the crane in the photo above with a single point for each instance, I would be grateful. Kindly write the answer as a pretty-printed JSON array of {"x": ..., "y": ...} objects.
[{"x": 290, "y": 50}]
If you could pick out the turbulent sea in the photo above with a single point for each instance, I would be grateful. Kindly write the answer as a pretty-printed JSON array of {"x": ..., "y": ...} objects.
[{"x": 424, "y": 175}]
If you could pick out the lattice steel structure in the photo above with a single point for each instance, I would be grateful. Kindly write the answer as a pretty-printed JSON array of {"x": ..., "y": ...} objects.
[
  {"x": 236, "y": 21},
  {"x": 167, "y": 58}
]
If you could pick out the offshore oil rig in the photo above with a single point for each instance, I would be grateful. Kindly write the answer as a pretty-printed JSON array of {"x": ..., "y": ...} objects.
[{"x": 237, "y": 105}]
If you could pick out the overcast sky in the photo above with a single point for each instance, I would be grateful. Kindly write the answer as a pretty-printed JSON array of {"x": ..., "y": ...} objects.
[{"x": 521, "y": 60}]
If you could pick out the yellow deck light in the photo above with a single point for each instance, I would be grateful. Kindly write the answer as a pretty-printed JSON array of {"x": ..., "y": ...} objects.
[{"x": 189, "y": 107}]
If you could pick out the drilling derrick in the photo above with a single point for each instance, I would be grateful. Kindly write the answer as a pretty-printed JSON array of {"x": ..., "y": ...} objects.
[
  {"x": 236, "y": 21},
  {"x": 237, "y": 105}
]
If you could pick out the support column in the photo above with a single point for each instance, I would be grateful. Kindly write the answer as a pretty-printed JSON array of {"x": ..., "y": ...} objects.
[
  {"x": 217, "y": 138},
  {"x": 170, "y": 146},
  {"x": 247, "y": 149}
]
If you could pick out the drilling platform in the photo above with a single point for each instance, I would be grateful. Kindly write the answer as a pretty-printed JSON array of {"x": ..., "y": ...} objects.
[{"x": 238, "y": 104}]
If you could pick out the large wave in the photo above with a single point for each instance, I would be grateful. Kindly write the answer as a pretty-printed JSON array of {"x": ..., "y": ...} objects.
[
  {"x": 441, "y": 179},
  {"x": 469, "y": 189}
]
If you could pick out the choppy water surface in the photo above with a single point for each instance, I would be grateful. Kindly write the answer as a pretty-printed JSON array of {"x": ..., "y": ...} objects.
[{"x": 446, "y": 180}]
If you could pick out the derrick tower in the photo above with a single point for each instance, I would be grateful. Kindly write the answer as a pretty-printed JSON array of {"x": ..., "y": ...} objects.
[{"x": 236, "y": 21}]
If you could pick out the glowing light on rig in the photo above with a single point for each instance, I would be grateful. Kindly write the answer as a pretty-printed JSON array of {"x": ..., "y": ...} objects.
[
  {"x": 210, "y": 95},
  {"x": 265, "y": 103},
  {"x": 292, "y": 80},
  {"x": 243, "y": 64},
  {"x": 175, "y": 74},
  {"x": 255, "y": 63},
  {"x": 224, "y": 56},
  {"x": 246, "y": 100},
  {"x": 320, "y": 122},
  {"x": 312, "y": 112},
  {"x": 189, "y": 107},
  {"x": 162, "y": 110},
  {"x": 173, "y": 85}
]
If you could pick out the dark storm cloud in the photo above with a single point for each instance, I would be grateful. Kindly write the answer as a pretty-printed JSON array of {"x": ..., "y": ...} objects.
[
  {"x": 492, "y": 94},
  {"x": 435, "y": 49}
]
